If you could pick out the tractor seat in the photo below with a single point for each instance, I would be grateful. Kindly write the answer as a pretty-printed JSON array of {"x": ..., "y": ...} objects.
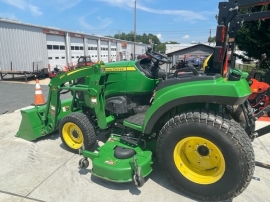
[{"x": 180, "y": 75}]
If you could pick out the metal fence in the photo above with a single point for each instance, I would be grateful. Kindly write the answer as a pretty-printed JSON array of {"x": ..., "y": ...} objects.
[{"x": 245, "y": 67}]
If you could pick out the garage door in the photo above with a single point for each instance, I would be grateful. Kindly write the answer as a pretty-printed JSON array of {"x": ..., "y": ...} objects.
[
  {"x": 56, "y": 50},
  {"x": 77, "y": 48},
  {"x": 113, "y": 52},
  {"x": 104, "y": 47},
  {"x": 92, "y": 49}
]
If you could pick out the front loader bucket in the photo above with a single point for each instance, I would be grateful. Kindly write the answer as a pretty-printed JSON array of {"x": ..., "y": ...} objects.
[{"x": 31, "y": 124}]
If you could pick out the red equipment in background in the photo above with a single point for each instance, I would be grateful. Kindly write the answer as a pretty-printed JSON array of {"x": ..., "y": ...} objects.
[
  {"x": 82, "y": 61},
  {"x": 259, "y": 99}
]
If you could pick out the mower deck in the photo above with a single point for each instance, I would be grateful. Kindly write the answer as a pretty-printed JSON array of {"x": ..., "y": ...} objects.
[{"x": 118, "y": 162}]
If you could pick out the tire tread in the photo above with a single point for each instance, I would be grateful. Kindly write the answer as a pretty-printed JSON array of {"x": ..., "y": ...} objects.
[
  {"x": 87, "y": 128},
  {"x": 230, "y": 128}
]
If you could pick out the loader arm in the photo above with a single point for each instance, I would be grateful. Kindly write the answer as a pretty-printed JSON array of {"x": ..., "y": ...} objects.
[
  {"x": 44, "y": 119},
  {"x": 93, "y": 86}
]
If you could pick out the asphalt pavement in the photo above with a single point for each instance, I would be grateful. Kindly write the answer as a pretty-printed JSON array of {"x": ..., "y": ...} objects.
[
  {"x": 44, "y": 170},
  {"x": 16, "y": 95}
]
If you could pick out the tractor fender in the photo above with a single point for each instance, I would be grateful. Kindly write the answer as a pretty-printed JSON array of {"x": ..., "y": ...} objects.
[
  {"x": 218, "y": 91},
  {"x": 180, "y": 101}
]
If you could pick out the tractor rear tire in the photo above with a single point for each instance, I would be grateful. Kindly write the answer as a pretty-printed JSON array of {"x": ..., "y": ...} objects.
[
  {"x": 205, "y": 155},
  {"x": 76, "y": 130}
]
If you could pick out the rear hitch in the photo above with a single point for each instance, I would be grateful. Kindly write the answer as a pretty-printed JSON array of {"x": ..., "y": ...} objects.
[
  {"x": 262, "y": 112},
  {"x": 263, "y": 165},
  {"x": 253, "y": 136}
]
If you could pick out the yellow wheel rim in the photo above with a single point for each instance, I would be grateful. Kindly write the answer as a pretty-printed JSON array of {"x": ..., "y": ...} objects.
[
  {"x": 72, "y": 135},
  {"x": 199, "y": 160}
]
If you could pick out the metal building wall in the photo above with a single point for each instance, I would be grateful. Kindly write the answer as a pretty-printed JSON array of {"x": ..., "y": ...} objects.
[
  {"x": 22, "y": 47},
  {"x": 140, "y": 49}
]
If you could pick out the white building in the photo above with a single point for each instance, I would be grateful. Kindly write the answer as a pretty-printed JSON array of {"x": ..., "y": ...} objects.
[
  {"x": 31, "y": 48},
  {"x": 176, "y": 47}
]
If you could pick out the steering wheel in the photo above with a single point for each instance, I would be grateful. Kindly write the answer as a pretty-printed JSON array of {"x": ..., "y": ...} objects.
[{"x": 163, "y": 58}]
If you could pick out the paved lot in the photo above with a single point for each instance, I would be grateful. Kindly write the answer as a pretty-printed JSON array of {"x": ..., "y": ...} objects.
[
  {"x": 17, "y": 95},
  {"x": 45, "y": 171}
]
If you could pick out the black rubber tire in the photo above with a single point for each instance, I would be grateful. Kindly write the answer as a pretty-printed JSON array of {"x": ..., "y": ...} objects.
[
  {"x": 239, "y": 117},
  {"x": 85, "y": 125},
  {"x": 83, "y": 163},
  {"x": 140, "y": 181},
  {"x": 229, "y": 137}
]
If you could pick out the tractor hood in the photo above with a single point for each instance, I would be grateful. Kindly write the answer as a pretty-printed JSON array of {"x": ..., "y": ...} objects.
[{"x": 120, "y": 64}]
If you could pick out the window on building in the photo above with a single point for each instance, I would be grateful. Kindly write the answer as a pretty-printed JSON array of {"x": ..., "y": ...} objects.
[
  {"x": 55, "y": 47},
  {"x": 49, "y": 47},
  {"x": 62, "y": 47},
  {"x": 72, "y": 47},
  {"x": 77, "y": 56},
  {"x": 56, "y": 58},
  {"x": 50, "y": 58},
  {"x": 63, "y": 57},
  {"x": 72, "y": 57},
  {"x": 81, "y": 48},
  {"x": 77, "y": 48}
]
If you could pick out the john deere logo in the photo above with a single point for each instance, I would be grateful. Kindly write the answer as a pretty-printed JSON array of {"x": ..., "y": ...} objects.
[{"x": 120, "y": 69}]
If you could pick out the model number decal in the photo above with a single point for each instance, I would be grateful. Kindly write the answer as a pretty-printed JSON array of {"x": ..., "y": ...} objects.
[{"x": 120, "y": 69}]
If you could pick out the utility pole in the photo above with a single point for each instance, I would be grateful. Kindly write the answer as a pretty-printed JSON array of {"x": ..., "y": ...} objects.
[
  {"x": 210, "y": 37},
  {"x": 134, "y": 30}
]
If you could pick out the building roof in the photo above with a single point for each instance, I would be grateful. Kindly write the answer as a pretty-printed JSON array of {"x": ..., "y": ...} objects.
[
  {"x": 190, "y": 47},
  {"x": 14, "y": 21}
]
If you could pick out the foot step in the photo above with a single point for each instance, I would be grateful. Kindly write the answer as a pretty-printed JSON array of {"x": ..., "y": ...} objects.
[
  {"x": 137, "y": 119},
  {"x": 129, "y": 141}
]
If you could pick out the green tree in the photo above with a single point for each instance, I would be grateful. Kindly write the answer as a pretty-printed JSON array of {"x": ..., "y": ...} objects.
[
  {"x": 211, "y": 39},
  {"x": 139, "y": 38},
  {"x": 253, "y": 39},
  {"x": 161, "y": 48},
  {"x": 158, "y": 46},
  {"x": 254, "y": 36}
]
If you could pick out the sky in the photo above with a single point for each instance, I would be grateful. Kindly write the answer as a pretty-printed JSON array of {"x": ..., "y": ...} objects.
[{"x": 170, "y": 20}]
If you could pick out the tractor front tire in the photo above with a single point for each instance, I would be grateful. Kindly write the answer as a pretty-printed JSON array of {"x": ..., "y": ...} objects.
[
  {"x": 76, "y": 130},
  {"x": 206, "y": 156}
]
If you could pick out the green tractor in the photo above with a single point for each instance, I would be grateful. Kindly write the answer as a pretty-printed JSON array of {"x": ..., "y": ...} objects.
[
  {"x": 180, "y": 121},
  {"x": 187, "y": 122}
]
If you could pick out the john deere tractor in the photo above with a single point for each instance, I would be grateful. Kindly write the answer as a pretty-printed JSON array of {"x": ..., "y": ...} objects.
[{"x": 184, "y": 121}]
